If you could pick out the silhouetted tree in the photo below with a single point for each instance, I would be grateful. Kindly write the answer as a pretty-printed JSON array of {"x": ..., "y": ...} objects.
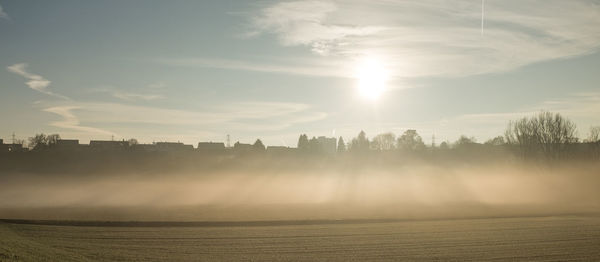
[
  {"x": 496, "y": 141},
  {"x": 594, "y": 135},
  {"x": 41, "y": 141},
  {"x": 360, "y": 143},
  {"x": 410, "y": 141},
  {"x": 383, "y": 141},
  {"x": 37, "y": 142},
  {"x": 546, "y": 133},
  {"x": 52, "y": 139},
  {"x": 444, "y": 146},
  {"x": 132, "y": 141},
  {"x": 258, "y": 145},
  {"x": 464, "y": 142},
  {"x": 341, "y": 147},
  {"x": 594, "y": 141},
  {"x": 303, "y": 143}
]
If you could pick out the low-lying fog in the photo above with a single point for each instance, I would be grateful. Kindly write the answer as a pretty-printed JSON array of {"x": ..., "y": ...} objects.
[{"x": 412, "y": 191}]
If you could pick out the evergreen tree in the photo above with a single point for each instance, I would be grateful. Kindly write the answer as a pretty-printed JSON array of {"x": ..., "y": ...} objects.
[
  {"x": 360, "y": 143},
  {"x": 303, "y": 143},
  {"x": 341, "y": 147},
  {"x": 258, "y": 145}
]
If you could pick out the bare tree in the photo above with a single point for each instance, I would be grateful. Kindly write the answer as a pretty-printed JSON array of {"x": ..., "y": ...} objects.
[
  {"x": 132, "y": 142},
  {"x": 594, "y": 135},
  {"x": 547, "y": 134},
  {"x": 41, "y": 141},
  {"x": 594, "y": 141},
  {"x": 383, "y": 141},
  {"x": 52, "y": 139},
  {"x": 496, "y": 141},
  {"x": 38, "y": 141}
]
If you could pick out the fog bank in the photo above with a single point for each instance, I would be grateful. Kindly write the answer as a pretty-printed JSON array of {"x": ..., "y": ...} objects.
[{"x": 411, "y": 191}]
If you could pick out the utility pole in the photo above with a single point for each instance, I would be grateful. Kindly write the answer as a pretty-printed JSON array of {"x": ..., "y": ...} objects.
[
  {"x": 228, "y": 141},
  {"x": 13, "y": 138}
]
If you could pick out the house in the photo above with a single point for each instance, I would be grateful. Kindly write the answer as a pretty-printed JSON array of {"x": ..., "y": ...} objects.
[
  {"x": 242, "y": 148},
  {"x": 10, "y": 147},
  {"x": 281, "y": 150},
  {"x": 67, "y": 145},
  {"x": 145, "y": 147},
  {"x": 211, "y": 147},
  {"x": 172, "y": 147},
  {"x": 102, "y": 145}
]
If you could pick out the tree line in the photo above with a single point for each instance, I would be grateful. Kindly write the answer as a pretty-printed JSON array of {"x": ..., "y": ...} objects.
[{"x": 545, "y": 135}]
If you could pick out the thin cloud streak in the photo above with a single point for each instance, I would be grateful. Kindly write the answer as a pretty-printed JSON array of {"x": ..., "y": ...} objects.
[
  {"x": 35, "y": 82},
  {"x": 130, "y": 96},
  {"x": 310, "y": 68},
  {"x": 482, "y": 15},
  {"x": 136, "y": 96}
]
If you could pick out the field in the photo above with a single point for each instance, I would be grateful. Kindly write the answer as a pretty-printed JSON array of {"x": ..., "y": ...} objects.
[{"x": 559, "y": 238}]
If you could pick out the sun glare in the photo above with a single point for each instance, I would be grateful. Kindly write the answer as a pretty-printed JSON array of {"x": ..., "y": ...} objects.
[{"x": 372, "y": 77}]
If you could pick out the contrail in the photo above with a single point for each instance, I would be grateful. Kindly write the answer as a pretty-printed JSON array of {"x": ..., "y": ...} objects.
[{"x": 482, "y": 12}]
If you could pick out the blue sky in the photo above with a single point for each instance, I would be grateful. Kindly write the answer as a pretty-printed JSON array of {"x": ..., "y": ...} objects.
[{"x": 198, "y": 70}]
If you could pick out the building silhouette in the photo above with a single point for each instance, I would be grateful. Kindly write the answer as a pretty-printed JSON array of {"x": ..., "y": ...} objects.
[
  {"x": 211, "y": 147},
  {"x": 173, "y": 147},
  {"x": 327, "y": 145},
  {"x": 108, "y": 145},
  {"x": 10, "y": 147}
]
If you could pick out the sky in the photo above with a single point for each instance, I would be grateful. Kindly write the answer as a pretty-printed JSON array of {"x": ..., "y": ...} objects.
[{"x": 195, "y": 71}]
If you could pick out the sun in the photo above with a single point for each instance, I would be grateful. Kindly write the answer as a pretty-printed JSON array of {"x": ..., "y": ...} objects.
[{"x": 371, "y": 77}]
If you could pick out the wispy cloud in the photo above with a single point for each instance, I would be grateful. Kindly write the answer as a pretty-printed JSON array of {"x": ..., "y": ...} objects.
[
  {"x": 297, "y": 67},
  {"x": 157, "y": 85},
  {"x": 240, "y": 117},
  {"x": 3, "y": 14},
  {"x": 70, "y": 121},
  {"x": 35, "y": 82},
  {"x": 136, "y": 96},
  {"x": 130, "y": 96},
  {"x": 304, "y": 22},
  {"x": 436, "y": 38}
]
